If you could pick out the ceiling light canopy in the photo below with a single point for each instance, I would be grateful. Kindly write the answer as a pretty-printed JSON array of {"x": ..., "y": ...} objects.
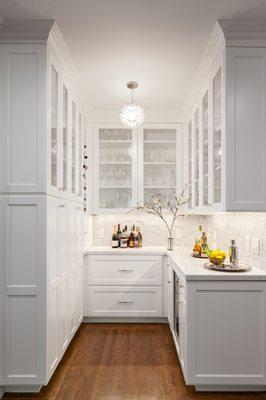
[{"x": 132, "y": 115}]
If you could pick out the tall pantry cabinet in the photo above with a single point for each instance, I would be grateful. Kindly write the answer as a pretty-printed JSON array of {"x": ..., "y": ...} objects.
[
  {"x": 226, "y": 146},
  {"x": 41, "y": 264}
]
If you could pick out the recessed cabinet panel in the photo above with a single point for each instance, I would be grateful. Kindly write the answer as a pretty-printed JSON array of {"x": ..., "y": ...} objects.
[
  {"x": 65, "y": 138},
  {"x": 22, "y": 232},
  {"x": 22, "y": 337}
]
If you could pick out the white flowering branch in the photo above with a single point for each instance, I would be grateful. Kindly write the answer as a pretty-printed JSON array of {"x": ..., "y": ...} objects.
[{"x": 161, "y": 204}]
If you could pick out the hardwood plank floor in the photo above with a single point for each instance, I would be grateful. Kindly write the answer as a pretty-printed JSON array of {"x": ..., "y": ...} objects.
[{"x": 123, "y": 362}]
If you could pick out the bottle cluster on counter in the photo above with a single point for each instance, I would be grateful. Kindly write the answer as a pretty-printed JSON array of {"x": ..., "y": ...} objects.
[
  {"x": 201, "y": 245},
  {"x": 123, "y": 238}
]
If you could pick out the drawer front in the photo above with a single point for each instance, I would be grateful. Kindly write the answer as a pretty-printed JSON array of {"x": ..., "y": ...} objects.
[
  {"x": 125, "y": 270},
  {"x": 122, "y": 301}
]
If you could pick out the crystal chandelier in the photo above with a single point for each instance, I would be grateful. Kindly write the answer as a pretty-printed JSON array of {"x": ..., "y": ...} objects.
[{"x": 132, "y": 115}]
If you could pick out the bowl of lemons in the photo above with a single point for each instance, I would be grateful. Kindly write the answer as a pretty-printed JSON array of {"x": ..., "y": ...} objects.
[{"x": 216, "y": 257}]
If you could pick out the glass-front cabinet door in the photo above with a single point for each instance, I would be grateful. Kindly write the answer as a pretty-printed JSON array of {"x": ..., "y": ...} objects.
[
  {"x": 205, "y": 149},
  {"x": 196, "y": 158},
  {"x": 217, "y": 137},
  {"x": 115, "y": 174},
  {"x": 159, "y": 161},
  {"x": 54, "y": 128}
]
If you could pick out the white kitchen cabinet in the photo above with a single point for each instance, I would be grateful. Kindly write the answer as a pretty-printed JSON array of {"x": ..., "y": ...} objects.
[
  {"x": 40, "y": 204},
  {"x": 40, "y": 128},
  {"x": 170, "y": 297},
  {"x": 132, "y": 164},
  {"x": 224, "y": 347},
  {"x": 225, "y": 132},
  {"x": 115, "y": 156},
  {"x": 123, "y": 285}
]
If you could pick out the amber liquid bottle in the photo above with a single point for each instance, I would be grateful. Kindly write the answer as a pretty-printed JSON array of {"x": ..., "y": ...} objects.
[{"x": 131, "y": 238}]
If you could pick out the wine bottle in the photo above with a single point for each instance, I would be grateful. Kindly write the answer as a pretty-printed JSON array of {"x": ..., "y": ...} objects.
[
  {"x": 123, "y": 239},
  {"x": 139, "y": 237},
  {"x": 115, "y": 241},
  {"x": 119, "y": 233},
  {"x": 131, "y": 238}
]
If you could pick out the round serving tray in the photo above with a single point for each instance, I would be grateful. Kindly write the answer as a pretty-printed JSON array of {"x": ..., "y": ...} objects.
[{"x": 228, "y": 267}]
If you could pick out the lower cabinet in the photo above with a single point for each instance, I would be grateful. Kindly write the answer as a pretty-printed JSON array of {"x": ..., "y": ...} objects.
[
  {"x": 221, "y": 326},
  {"x": 225, "y": 333},
  {"x": 41, "y": 268},
  {"x": 65, "y": 275},
  {"x": 124, "y": 286}
]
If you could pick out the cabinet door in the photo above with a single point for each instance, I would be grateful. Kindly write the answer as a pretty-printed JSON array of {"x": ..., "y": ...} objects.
[
  {"x": 170, "y": 297},
  {"x": 55, "y": 148},
  {"x": 196, "y": 158},
  {"x": 205, "y": 149},
  {"x": 116, "y": 157},
  {"x": 182, "y": 332},
  {"x": 159, "y": 149},
  {"x": 189, "y": 157},
  {"x": 217, "y": 137}
]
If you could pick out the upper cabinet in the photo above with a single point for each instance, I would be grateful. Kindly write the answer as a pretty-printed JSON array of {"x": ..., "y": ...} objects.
[
  {"x": 41, "y": 120},
  {"x": 132, "y": 164},
  {"x": 225, "y": 142}
]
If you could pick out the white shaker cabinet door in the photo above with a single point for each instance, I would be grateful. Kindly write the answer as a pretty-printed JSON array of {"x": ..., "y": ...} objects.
[{"x": 23, "y": 127}]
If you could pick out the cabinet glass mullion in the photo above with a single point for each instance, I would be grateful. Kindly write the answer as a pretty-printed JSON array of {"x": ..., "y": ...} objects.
[
  {"x": 189, "y": 143},
  {"x": 115, "y": 168}
]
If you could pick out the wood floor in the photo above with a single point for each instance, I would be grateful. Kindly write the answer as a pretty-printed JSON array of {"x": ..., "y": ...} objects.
[{"x": 123, "y": 362}]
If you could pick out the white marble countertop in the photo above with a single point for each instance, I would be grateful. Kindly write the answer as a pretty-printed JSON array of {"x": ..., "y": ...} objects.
[{"x": 182, "y": 261}]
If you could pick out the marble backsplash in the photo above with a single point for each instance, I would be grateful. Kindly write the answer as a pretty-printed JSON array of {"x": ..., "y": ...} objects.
[{"x": 219, "y": 227}]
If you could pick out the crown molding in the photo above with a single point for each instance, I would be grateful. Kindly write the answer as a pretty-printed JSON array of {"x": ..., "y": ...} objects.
[
  {"x": 247, "y": 32},
  {"x": 213, "y": 50},
  {"x": 17, "y": 31}
]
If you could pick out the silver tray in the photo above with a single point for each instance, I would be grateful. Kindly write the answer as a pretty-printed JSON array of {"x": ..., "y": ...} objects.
[{"x": 228, "y": 267}]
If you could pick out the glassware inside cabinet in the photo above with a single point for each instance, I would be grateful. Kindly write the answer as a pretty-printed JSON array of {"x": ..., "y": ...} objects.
[
  {"x": 65, "y": 132},
  {"x": 205, "y": 149},
  {"x": 115, "y": 168},
  {"x": 217, "y": 137},
  {"x": 73, "y": 148},
  {"x": 54, "y": 125},
  {"x": 159, "y": 157},
  {"x": 196, "y": 149}
]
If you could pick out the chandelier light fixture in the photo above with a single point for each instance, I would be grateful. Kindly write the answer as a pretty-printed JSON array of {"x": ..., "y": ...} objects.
[{"x": 132, "y": 115}]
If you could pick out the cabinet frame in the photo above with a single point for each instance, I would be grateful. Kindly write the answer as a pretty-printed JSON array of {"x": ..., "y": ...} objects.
[{"x": 137, "y": 162}]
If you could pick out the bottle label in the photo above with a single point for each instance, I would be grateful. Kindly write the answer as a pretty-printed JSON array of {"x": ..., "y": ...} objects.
[
  {"x": 114, "y": 243},
  {"x": 123, "y": 243}
]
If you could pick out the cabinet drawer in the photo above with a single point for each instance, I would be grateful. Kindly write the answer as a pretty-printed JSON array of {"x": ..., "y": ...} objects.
[
  {"x": 122, "y": 301},
  {"x": 125, "y": 270}
]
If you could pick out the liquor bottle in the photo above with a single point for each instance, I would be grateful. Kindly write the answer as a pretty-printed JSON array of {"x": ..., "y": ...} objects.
[
  {"x": 123, "y": 239},
  {"x": 136, "y": 237},
  {"x": 204, "y": 242},
  {"x": 131, "y": 238},
  {"x": 197, "y": 249},
  {"x": 139, "y": 237},
  {"x": 115, "y": 241},
  {"x": 119, "y": 233}
]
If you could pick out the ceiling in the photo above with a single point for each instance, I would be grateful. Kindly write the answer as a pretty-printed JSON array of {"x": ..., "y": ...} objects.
[{"x": 158, "y": 43}]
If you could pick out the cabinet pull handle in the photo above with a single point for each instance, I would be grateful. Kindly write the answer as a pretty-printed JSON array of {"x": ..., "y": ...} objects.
[
  {"x": 62, "y": 205},
  {"x": 181, "y": 286},
  {"x": 169, "y": 281},
  {"x": 125, "y": 270},
  {"x": 125, "y": 302}
]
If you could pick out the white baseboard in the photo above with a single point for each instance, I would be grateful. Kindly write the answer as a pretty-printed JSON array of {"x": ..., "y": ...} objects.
[
  {"x": 134, "y": 320},
  {"x": 230, "y": 388}
]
